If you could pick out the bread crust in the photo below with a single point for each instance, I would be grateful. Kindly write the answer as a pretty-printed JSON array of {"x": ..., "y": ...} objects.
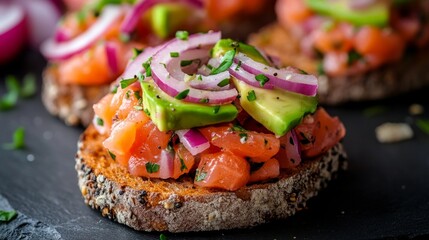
[
  {"x": 71, "y": 103},
  {"x": 392, "y": 79},
  {"x": 180, "y": 206}
]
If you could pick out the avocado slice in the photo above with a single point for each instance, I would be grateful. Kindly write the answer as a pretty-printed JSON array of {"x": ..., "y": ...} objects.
[
  {"x": 376, "y": 15},
  {"x": 169, "y": 113},
  {"x": 167, "y": 18},
  {"x": 224, "y": 45},
  {"x": 279, "y": 111}
]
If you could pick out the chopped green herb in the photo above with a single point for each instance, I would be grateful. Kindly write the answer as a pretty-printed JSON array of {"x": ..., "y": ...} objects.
[
  {"x": 127, "y": 82},
  {"x": 124, "y": 37},
  {"x": 182, "y": 35},
  {"x": 29, "y": 86},
  {"x": 303, "y": 72},
  {"x": 320, "y": 69},
  {"x": 374, "y": 111},
  {"x": 185, "y": 63},
  {"x": 152, "y": 167},
  {"x": 9, "y": 100},
  {"x": 99, "y": 121},
  {"x": 328, "y": 25},
  {"x": 81, "y": 16},
  {"x": 147, "y": 68},
  {"x": 140, "y": 77},
  {"x": 182, "y": 164},
  {"x": 251, "y": 96},
  {"x": 162, "y": 237},
  {"x": 127, "y": 94},
  {"x": 7, "y": 216},
  {"x": 237, "y": 128},
  {"x": 136, "y": 52},
  {"x": 423, "y": 124},
  {"x": 113, "y": 156},
  {"x": 216, "y": 109},
  {"x": 147, "y": 112},
  {"x": 200, "y": 176},
  {"x": 18, "y": 140},
  {"x": 262, "y": 79},
  {"x": 114, "y": 89},
  {"x": 223, "y": 83},
  {"x": 238, "y": 66},
  {"x": 352, "y": 57},
  {"x": 137, "y": 95},
  {"x": 204, "y": 100},
  {"x": 209, "y": 66},
  {"x": 227, "y": 61},
  {"x": 182, "y": 94},
  {"x": 174, "y": 54},
  {"x": 243, "y": 137},
  {"x": 200, "y": 78}
]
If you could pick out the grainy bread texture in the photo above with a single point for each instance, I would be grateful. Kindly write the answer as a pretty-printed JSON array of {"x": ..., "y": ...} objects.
[
  {"x": 408, "y": 74},
  {"x": 72, "y": 103},
  {"x": 179, "y": 206}
]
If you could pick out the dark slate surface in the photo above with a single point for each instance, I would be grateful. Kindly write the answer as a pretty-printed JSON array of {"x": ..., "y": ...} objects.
[{"x": 385, "y": 193}]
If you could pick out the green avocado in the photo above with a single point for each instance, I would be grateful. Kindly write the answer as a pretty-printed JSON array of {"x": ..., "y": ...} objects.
[
  {"x": 224, "y": 45},
  {"x": 376, "y": 15},
  {"x": 278, "y": 110},
  {"x": 169, "y": 113},
  {"x": 167, "y": 18}
]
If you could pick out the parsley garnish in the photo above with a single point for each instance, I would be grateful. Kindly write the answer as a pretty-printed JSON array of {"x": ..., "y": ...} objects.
[
  {"x": 182, "y": 35},
  {"x": 11, "y": 98},
  {"x": 200, "y": 78},
  {"x": 152, "y": 167},
  {"x": 182, "y": 94},
  {"x": 18, "y": 140},
  {"x": 162, "y": 237},
  {"x": 262, "y": 79},
  {"x": 223, "y": 83},
  {"x": 423, "y": 125},
  {"x": 127, "y": 82},
  {"x": 185, "y": 63},
  {"x": 29, "y": 86},
  {"x": 238, "y": 66},
  {"x": 320, "y": 69},
  {"x": 352, "y": 57},
  {"x": 137, "y": 95},
  {"x": 204, "y": 100},
  {"x": 174, "y": 54},
  {"x": 228, "y": 58},
  {"x": 146, "y": 66},
  {"x": 124, "y": 37},
  {"x": 7, "y": 216},
  {"x": 200, "y": 176},
  {"x": 114, "y": 89},
  {"x": 113, "y": 156},
  {"x": 99, "y": 121},
  {"x": 182, "y": 164},
  {"x": 251, "y": 96}
]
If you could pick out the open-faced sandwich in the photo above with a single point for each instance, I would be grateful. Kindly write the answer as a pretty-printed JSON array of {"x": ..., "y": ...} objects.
[
  {"x": 364, "y": 49},
  {"x": 92, "y": 46},
  {"x": 204, "y": 133}
]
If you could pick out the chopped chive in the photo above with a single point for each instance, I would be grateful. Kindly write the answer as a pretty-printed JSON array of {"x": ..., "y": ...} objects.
[
  {"x": 113, "y": 156},
  {"x": 320, "y": 69},
  {"x": 216, "y": 109},
  {"x": 352, "y": 57},
  {"x": 227, "y": 60},
  {"x": 182, "y": 35},
  {"x": 182, "y": 164},
  {"x": 137, "y": 95},
  {"x": 136, "y": 52},
  {"x": 152, "y": 167},
  {"x": 262, "y": 79},
  {"x": 18, "y": 140},
  {"x": 423, "y": 124},
  {"x": 204, "y": 100},
  {"x": 200, "y": 78},
  {"x": 200, "y": 176},
  {"x": 127, "y": 82},
  {"x": 174, "y": 54},
  {"x": 251, "y": 96},
  {"x": 9, "y": 100},
  {"x": 162, "y": 237},
  {"x": 114, "y": 89},
  {"x": 182, "y": 94},
  {"x": 7, "y": 216},
  {"x": 99, "y": 121},
  {"x": 223, "y": 83},
  {"x": 238, "y": 66},
  {"x": 185, "y": 63},
  {"x": 29, "y": 86}
]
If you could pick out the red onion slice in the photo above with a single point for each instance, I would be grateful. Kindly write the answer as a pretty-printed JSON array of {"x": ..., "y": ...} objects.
[
  {"x": 245, "y": 76},
  {"x": 132, "y": 18},
  {"x": 292, "y": 150},
  {"x": 13, "y": 30},
  {"x": 193, "y": 140},
  {"x": 61, "y": 35},
  {"x": 173, "y": 86},
  {"x": 166, "y": 164},
  {"x": 112, "y": 57},
  {"x": 135, "y": 66},
  {"x": 281, "y": 78},
  {"x": 58, "y": 51}
]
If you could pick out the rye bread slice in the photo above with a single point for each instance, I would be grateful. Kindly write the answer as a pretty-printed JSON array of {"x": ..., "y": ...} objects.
[
  {"x": 71, "y": 103},
  {"x": 409, "y": 74},
  {"x": 180, "y": 206}
]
